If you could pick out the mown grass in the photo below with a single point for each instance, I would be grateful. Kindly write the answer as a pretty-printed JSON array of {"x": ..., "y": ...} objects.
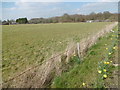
[
  {"x": 87, "y": 71},
  {"x": 27, "y": 45}
]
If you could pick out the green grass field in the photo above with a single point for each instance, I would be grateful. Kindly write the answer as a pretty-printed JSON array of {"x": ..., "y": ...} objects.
[
  {"x": 28, "y": 45},
  {"x": 105, "y": 50}
]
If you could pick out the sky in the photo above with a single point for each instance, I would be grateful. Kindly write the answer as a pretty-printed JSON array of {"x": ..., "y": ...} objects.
[{"x": 13, "y": 9}]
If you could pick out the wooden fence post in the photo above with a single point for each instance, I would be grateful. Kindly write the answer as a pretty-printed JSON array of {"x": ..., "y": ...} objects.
[{"x": 78, "y": 49}]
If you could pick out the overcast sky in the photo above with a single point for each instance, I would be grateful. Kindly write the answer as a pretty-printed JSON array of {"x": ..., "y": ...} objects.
[{"x": 48, "y": 8}]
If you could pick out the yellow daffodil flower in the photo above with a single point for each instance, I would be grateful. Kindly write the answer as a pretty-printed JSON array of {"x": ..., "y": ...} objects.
[
  {"x": 105, "y": 76},
  {"x": 106, "y": 48},
  {"x": 110, "y": 53},
  {"x": 111, "y": 61},
  {"x": 113, "y": 47},
  {"x": 99, "y": 71},
  {"x": 107, "y": 62},
  {"x": 104, "y": 70},
  {"x": 83, "y": 84}
]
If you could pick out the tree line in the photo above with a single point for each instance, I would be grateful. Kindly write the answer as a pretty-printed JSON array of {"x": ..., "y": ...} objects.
[
  {"x": 97, "y": 17},
  {"x": 105, "y": 16}
]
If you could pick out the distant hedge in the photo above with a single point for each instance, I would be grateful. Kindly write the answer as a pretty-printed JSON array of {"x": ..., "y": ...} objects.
[{"x": 22, "y": 20}]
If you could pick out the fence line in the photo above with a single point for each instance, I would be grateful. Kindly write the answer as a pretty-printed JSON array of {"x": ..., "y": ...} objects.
[
  {"x": 79, "y": 52},
  {"x": 33, "y": 67}
]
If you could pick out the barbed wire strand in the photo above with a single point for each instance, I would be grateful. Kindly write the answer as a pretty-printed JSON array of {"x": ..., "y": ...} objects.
[{"x": 32, "y": 68}]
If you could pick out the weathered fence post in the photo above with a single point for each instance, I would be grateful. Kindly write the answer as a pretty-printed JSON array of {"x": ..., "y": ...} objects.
[{"x": 78, "y": 49}]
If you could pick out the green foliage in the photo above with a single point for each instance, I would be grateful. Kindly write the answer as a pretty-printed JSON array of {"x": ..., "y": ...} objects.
[
  {"x": 87, "y": 71},
  {"x": 106, "y": 64},
  {"x": 74, "y": 60},
  {"x": 97, "y": 17},
  {"x": 22, "y": 20}
]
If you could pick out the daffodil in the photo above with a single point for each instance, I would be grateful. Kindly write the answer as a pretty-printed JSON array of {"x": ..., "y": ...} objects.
[
  {"x": 83, "y": 84},
  {"x": 111, "y": 61},
  {"x": 113, "y": 47},
  {"x": 110, "y": 53},
  {"x": 107, "y": 62},
  {"x": 104, "y": 70},
  {"x": 99, "y": 71},
  {"x": 105, "y": 76},
  {"x": 106, "y": 48}
]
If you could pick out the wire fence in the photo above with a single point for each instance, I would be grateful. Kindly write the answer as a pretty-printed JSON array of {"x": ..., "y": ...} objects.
[
  {"x": 32, "y": 68},
  {"x": 77, "y": 46}
]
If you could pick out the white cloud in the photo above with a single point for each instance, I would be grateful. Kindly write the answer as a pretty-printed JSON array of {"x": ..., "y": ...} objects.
[
  {"x": 98, "y": 7},
  {"x": 31, "y": 10},
  {"x": 109, "y": 0},
  {"x": 33, "y": 0},
  {"x": 60, "y": 0},
  {"x": 49, "y": 9},
  {"x": 0, "y": 11}
]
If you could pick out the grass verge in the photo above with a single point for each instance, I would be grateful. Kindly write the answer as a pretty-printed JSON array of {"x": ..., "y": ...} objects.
[{"x": 92, "y": 72}]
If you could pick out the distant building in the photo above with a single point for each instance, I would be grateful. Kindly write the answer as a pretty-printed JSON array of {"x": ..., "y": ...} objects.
[
  {"x": 8, "y": 22},
  {"x": 89, "y": 21},
  {"x": 5, "y": 23},
  {"x": 13, "y": 23}
]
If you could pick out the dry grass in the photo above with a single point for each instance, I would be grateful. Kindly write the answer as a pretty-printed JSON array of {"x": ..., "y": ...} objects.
[{"x": 43, "y": 74}]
